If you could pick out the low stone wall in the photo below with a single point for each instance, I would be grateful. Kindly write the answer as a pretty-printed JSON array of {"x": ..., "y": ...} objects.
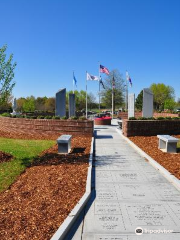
[
  {"x": 46, "y": 127},
  {"x": 150, "y": 127},
  {"x": 124, "y": 115}
]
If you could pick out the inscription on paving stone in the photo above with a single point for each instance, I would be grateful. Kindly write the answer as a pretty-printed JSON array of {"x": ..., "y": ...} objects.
[
  {"x": 103, "y": 176},
  {"x": 111, "y": 237},
  {"x": 107, "y": 208},
  {"x": 155, "y": 177},
  {"x": 175, "y": 208},
  {"x": 147, "y": 103},
  {"x": 148, "y": 215},
  {"x": 129, "y": 176},
  {"x": 135, "y": 192},
  {"x": 167, "y": 192},
  {"x": 108, "y": 223},
  {"x": 106, "y": 195},
  {"x": 131, "y": 101}
]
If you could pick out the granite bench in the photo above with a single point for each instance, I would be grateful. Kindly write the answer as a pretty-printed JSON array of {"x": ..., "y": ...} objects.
[
  {"x": 64, "y": 144},
  {"x": 168, "y": 143}
]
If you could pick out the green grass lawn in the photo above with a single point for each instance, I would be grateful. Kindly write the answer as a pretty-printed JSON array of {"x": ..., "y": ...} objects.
[{"x": 23, "y": 151}]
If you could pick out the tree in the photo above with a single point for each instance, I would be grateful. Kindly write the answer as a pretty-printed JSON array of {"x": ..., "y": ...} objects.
[
  {"x": 50, "y": 104},
  {"x": 29, "y": 104},
  {"x": 6, "y": 75},
  {"x": 91, "y": 99},
  {"x": 139, "y": 101},
  {"x": 118, "y": 90},
  {"x": 20, "y": 102},
  {"x": 40, "y": 103},
  {"x": 169, "y": 104},
  {"x": 161, "y": 93}
]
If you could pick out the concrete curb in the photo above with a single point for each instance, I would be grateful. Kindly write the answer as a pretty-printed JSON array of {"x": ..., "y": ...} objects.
[
  {"x": 171, "y": 178},
  {"x": 68, "y": 222}
]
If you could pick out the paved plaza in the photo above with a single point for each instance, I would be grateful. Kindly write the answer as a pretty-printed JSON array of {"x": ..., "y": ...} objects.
[{"x": 127, "y": 193}]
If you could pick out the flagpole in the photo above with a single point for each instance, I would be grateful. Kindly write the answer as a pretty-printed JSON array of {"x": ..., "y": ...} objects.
[
  {"x": 73, "y": 81},
  {"x": 113, "y": 96},
  {"x": 126, "y": 106},
  {"x": 86, "y": 94},
  {"x": 99, "y": 88}
]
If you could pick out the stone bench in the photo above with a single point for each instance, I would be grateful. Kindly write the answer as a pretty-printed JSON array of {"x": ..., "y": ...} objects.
[
  {"x": 64, "y": 144},
  {"x": 168, "y": 143}
]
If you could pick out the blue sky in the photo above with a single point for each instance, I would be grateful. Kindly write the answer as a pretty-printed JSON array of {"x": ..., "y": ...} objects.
[{"x": 51, "y": 38}]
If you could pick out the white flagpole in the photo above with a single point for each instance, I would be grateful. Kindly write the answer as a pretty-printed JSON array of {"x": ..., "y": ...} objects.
[
  {"x": 113, "y": 96},
  {"x": 126, "y": 106},
  {"x": 86, "y": 94},
  {"x": 99, "y": 88},
  {"x": 73, "y": 81}
]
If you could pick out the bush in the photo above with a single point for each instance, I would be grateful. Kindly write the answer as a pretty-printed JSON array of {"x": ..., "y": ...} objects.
[
  {"x": 6, "y": 115},
  {"x": 82, "y": 118},
  {"x": 64, "y": 118},
  {"x": 56, "y": 117},
  {"x": 48, "y": 117},
  {"x": 168, "y": 118},
  {"x": 142, "y": 118},
  {"x": 150, "y": 118},
  {"x": 160, "y": 118},
  {"x": 132, "y": 118},
  {"x": 40, "y": 117},
  {"x": 73, "y": 118}
]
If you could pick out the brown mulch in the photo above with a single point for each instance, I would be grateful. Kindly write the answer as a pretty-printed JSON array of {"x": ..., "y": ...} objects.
[
  {"x": 170, "y": 161},
  {"x": 5, "y": 157},
  {"x": 29, "y": 135},
  {"x": 42, "y": 197}
]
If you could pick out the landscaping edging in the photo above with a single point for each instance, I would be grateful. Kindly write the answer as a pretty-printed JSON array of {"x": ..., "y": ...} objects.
[
  {"x": 69, "y": 221},
  {"x": 150, "y": 127},
  {"x": 46, "y": 126},
  {"x": 171, "y": 178}
]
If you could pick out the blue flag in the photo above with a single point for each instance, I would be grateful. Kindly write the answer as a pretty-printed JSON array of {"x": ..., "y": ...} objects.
[{"x": 74, "y": 80}]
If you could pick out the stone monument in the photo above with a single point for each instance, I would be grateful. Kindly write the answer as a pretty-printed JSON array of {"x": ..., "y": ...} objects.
[
  {"x": 131, "y": 103},
  {"x": 14, "y": 107},
  {"x": 61, "y": 103},
  {"x": 147, "y": 103},
  {"x": 72, "y": 106}
]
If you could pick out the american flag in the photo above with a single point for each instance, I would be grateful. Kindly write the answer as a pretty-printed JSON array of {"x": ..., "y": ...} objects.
[
  {"x": 128, "y": 78},
  {"x": 104, "y": 70}
]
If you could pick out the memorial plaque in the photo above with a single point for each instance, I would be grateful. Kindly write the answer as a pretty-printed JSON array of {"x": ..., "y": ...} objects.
[
  {"x": 131, "y": 101},
  {"x": 104, "y": 224},
  {"x": 105, "y": 195},
  {"x": 127, "y": 176},
  {"x": 103, "y": 176},
  {"x": 155, "y": 177},
  {"x": 72, "y": 105},
  {"x": 61, "y": 103},
  {"x": 147, "y": 103},
  {"x": 148, "y": 215},
  {"x": 167, "y": 192},
  {"x": 175, "y": 207},
  {"x": 135, "y": 192},
  {"x": 107, "y": 208},
  {"x": 111, "y": 237}
]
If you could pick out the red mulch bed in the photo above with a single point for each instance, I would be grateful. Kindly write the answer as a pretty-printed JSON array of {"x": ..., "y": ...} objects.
[
  {"x": 170, "y": 161},
  {"x": 5, "y": 157},
  {"x": 43, "y": 196}
]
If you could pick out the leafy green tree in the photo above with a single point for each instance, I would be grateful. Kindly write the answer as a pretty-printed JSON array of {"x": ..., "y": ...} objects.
[
  {"x": 169, "y": 104},
  {"x": 40, "y": 103},
  {"x": 139, "y": 101},
  {"x": 161, "y": 94},
  {"x": 6, "y": 75},
  {"x": 118, "y": 90},
  {"x": 20, "y": 102},
  {"x": 29, "y": 104},
  {"x": 50, "y": 104}
]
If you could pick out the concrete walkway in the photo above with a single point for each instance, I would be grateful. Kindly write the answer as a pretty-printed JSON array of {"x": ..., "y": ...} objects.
[{"x": 127, "y": 193}]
